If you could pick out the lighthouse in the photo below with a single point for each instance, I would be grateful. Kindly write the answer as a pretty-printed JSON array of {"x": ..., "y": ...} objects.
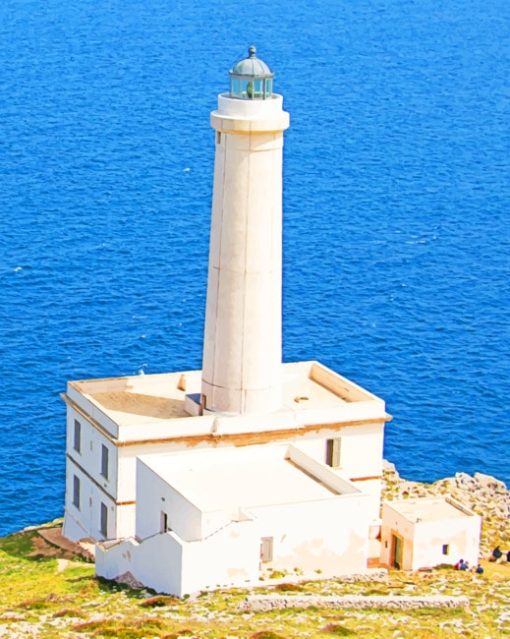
[
  {"x": 216, "y": 476},
  {"x": 242, "y": 356}
]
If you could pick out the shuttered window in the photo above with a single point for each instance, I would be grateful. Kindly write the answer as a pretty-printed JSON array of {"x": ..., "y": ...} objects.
[{"x": 333, "y": 449}]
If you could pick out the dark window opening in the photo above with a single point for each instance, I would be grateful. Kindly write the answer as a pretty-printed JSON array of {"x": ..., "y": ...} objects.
[
  {"x": 164, "y": 522},
  {"x": 103, "y": 520},
  {"x": 76, "y": 492},
  {"x": 104, "y": 461},
  {"x": 77, "y": 436}
]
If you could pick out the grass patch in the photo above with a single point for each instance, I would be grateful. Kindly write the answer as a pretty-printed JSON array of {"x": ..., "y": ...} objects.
[
  {"x": 126, "y": 628},
  {"x": 289, "y": 587},
  {"x": 19, "y": 545},
  {"x": 68, "y": 612},
  {"x": 337, "y": 630},
  {"x": 277, "y": 574},
  {"x": 40, "y": 603}
]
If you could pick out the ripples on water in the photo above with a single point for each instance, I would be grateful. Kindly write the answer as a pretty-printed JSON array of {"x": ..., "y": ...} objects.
[{"x": 396, "y": 191}]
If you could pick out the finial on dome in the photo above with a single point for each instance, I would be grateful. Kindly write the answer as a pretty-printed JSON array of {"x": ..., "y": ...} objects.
[{"x": 252, "y": 51}]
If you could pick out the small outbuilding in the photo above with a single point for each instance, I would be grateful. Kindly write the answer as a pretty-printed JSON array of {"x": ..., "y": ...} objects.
[{"x": 427, "y": 532}]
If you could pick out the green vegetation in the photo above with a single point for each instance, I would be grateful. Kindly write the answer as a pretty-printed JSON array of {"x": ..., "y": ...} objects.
[{"x": 49, "y": 597}]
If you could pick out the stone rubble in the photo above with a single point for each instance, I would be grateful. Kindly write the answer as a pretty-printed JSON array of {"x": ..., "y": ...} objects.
[
  {"x": 264, "y": 603},
  {"x": 129, "y": 580}
]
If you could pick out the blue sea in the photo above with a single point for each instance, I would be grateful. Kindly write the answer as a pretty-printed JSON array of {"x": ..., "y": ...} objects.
[{"x": 396, "y": 211}]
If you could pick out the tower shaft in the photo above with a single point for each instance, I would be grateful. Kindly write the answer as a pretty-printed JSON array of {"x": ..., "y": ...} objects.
[{"x": 243, "y": 336}]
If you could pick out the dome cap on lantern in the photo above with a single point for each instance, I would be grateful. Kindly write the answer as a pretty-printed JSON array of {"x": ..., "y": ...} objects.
[
  {"x": 251, "y": 78},
  {"x": 252, "y": 66}
]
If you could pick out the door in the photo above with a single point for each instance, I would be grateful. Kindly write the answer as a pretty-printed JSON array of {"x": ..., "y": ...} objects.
[
  {"x": 396, "y": 551},
  {"x": 266, "y": 549}
]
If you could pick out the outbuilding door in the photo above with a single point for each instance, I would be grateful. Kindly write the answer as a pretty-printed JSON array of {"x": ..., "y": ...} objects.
[{"x": 396, "y": 552}]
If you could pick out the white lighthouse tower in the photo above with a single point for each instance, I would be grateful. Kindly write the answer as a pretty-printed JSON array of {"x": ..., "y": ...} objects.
[{"x": 242, "y": 359}]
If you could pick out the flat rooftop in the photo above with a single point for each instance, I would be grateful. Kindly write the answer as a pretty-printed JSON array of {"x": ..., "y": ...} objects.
[
  {"x": 232, "y": 481},
  {"x": 429, "y": 509},
  {"x": 144, "y": 399}
]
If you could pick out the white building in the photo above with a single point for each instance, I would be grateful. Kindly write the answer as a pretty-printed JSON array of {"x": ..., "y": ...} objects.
[
  {"x": 112, "y": 422},
  {"x": 199, "y": 478},
  {"x": 428, "y": 532}
]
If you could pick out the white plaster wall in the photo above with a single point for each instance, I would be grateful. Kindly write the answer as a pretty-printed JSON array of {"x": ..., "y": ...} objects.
[
  {"x": 91, "y": 409},
  {"x": 85, "y": 521},
  {"x": 330, "y": 535},
  {"x": 362, "y": 450},
  {"x": 156, "y": 562},
  {"x": 183, "y": 517},
  {"x": 127, "y": 463},
  {"x": 393, "y": 521},
  {"x": 90, "y": 456},
  {"x": 127, "y": 466},
  {"x": 462, "y": 534},
  {"x": 125, "y": 521},
  {"x": 320, "y": 471},
  {"x": 372, "y": 489},
  {"x": 229, "y": 557},
  {"x": 365, "y": 442},
  {"x": 168, "y": 564},
  {"x": 315, "y": 447}
]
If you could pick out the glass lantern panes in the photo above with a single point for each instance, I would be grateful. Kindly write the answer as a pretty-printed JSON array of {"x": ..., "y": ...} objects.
[{"x": 251, "y": 88}]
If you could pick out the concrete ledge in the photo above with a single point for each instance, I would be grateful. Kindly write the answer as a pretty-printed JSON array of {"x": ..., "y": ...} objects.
[{"x": 263, "y": 603}]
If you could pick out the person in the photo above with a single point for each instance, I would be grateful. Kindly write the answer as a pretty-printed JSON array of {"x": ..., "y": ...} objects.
[
  {"x": 464, "y": 565},
  {"x": 458, "y": 564},
  {"x": 479, "y": 570},
  {"x": 496, "y": 554},
  {"x": 508, "y": 556}
]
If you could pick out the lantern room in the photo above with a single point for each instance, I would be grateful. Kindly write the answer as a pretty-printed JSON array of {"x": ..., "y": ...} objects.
[{"x": 251, "y": 78}]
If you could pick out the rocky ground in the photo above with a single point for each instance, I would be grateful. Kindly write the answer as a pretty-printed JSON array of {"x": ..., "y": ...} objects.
[{"x": 49, "y": 593}]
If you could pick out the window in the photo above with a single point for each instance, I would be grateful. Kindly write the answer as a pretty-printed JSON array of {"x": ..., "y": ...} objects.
[
  {"x": 76, "y": 492},
  {"x": 266, "y": 549},
  {"x": 104, "y": 461},
  {"x": 103, "y": 520},
  {"x": 218, "y": 137},
  {"x": 446, "y": 549},
  {"x": 164, "y": 522},
  {"x": 77, "y": 436},
  {"x": 333, "y": 447}
]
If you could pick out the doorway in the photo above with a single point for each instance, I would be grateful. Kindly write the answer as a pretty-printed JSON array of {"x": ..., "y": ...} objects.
[{"x": 397, "y": 544}]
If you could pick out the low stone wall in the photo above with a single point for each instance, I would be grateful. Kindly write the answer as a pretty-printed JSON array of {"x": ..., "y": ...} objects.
[{"x": 264, "y": 603}]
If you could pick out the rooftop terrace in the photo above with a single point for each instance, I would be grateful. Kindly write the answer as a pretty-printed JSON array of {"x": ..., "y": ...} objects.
[{"x": 312, "y": 393}]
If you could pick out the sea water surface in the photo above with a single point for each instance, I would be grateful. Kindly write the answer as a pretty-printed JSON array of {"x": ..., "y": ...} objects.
[{"x": 396, "y": 191}]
